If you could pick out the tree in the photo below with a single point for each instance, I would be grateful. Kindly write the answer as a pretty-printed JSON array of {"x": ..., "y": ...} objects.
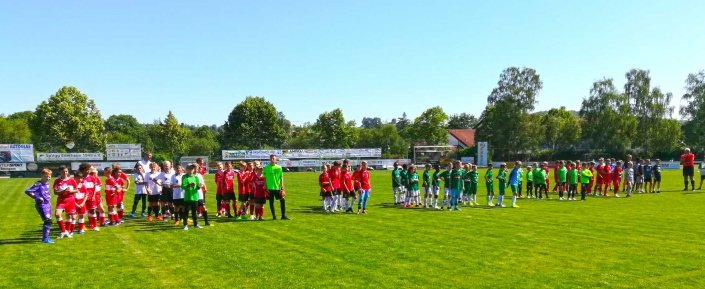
[
  {"x": 371, "y": 122},
  {"x": 462, "y": 121},
  {"x": 14, "y": 131},
  {"x": 252, "y": 124},
  {"x": 650, "y": 107},
  {"x": 173, "y": 137},
  {"x": 68, "y": 116},
  {"x": 126, "y": 125},
  {"x": 561, "y": 128},
  {"x": 430, "y": 127},
  {"x": 606, "y": 119},
  {"x": 120, "y": 138},
  {"x": 285, "y": 124},
  {"x": 203, "y": 142},
  {"x": 385, "y": 137},
  {"x": 402, "y": 124},
  {"x": 332, "y": 130},
  {"x": 26, "y": 115},
  {"x": 693, "y": 111},
  {"x": 518, "y": 87},
  {"x": 302, "y": 137}
]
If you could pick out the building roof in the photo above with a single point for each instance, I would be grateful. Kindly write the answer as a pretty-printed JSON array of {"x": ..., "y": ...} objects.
[{"x": 465, "y": 136}]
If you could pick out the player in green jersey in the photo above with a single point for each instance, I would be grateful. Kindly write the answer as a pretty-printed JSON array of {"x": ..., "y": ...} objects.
[
  {"x": 445, "y": 175},
  {"x": 456, "y": 185},
  {"x": 521, "y": 181},
  {"x": 529, "y": 182},
  {"x": 573, "y": 180},
  {"x": 489, "y": 181},
  {"x": 562, "y": 177},
  {"x": 435, "y": 185},
  {"x": 539, "y": 181},
  {"x": 404, "y": 183},
  {"x": 465, "y": 195},
  {"x": 396, "y": 183},
  {"x": 412, "y": 186},
  {"x": 427, "y": 190},
  {"x": 502, "y": 178}
]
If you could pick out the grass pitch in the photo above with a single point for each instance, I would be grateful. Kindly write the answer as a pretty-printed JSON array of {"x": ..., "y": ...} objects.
[{"x": 649, "y": 240}]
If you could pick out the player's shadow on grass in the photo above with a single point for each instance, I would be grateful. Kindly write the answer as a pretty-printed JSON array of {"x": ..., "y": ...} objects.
[
  {"x": 315, "y": 210},
  {"x": 25, "y": 238}
]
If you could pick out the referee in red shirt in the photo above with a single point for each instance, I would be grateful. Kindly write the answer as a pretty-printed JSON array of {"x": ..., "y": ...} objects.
[{"x": 688, "y": 162}]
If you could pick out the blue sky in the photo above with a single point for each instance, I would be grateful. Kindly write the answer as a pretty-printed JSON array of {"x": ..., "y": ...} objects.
[{"x": 369, "y": 58}]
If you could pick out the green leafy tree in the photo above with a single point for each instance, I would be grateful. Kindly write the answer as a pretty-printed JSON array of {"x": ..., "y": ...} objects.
[
  {"x": 302, "y": 137},
  {"x": 650, "y": 107},
  {"x": 120, "y": 138},
  {"x": 561, "y": 128},
  {"x": 371, "y": 122},
  {"x": 14, "y": 131},
  {"x": 402, "y": 125},
  {"x": 462, "y": 121},
  {"x": 693, "y": 111},
  {"x": 26, "y": 115},
  {"x": 606, "y": 119},
  {"x": 121, "y": 125},
  {"x": 385, "y": 137},
  {"x": 430, "y": 127},
  {"x": 333, "y": 131},
  {"x": 173, "y": 137},
  {"x": 68, "y": 116},
  {"x": 252, "y": 124},
  {"x": 203, "y": 142}
]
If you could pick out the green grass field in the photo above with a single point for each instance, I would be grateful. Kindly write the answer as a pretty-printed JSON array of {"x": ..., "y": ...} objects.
[{"x": 653, "y": 241}]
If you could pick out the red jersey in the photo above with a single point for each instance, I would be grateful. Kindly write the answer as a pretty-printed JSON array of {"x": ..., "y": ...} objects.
[
  {"x": 242, "y": 182},
  {"x": 347, "y": 182},
  {"x": 228, "y": 179},
  {"x": 617, "y": 174},
  {"x": 356, "y": 182},
  {"x": 547, "y": 172},
  {"x": 81, "y": 194},
  {"x": 113, "y": 186},
  {"x": 97, "y": 184},
  {"x": 218, "y": 183},
  {"x": 578, "y": 168},
  {"x": 323, "y": 178},
  {"x": 592, "y": 170},
  {"x": 258, "y": 189},
  {"x": 688, "y": 160},
  {"x": 251, "y": 179},
  {"x": 555, "y": 173},
  {"x": 600, "y": 172},
  {"x": 364, "y": 179},
  {"x": 89, "y": 185},
  {"x": 608, "y": 172},
  {"x": 202, "y": 170},
  {"x": 67, "y": 184},
  {"x": 334, "y": 176},
  {"x": 123, "y": 176}
]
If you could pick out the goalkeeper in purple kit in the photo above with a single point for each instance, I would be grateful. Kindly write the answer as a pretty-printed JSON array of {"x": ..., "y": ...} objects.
[{"x": 39, "y": 191}]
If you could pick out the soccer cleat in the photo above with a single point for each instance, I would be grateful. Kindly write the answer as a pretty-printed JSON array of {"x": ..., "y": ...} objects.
[
  {"x": 68, "y": 235},
  {"x": 364, "y": 211},
  {"x": 143, "y": 214},
  {"x": 81, "y": 232},
  {"x": 48, "y": 241},
  {"x": 61, "y": 235},
  {"x": 252, "y": 217},
  {"x": 285, "y": 218},
  {"x": 198, "y": 226},
  {"x": 132, "y": 215},
  {"x": 185, "y": 227},
  {"x": 490, "y": 204},
  {"x": 200, "y": 215},
  {"x": 121, "y": 221},
  {"x": 104, "y": 224},
  {"x": 560, "y": 199},
  {"x": 616, "y": 195},
  {"x": 149, "y": 219},
  {"x": 209, "y": 225},
  {"x": 457, "y": 209},
  {"x": 176, "y": 223},
  {"x": 96, "y": 229},
  {"x": 159, "y": 218},
  {"x": 515, "y": 206}
]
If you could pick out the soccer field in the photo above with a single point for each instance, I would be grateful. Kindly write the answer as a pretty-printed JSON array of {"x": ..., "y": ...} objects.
[{"x": 652, "y": 240}]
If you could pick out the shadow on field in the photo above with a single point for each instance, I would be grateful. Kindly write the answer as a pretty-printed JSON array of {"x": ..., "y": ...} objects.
[
  {"x": 316, "y": 210},
  {"x": 25, "y": 238}
]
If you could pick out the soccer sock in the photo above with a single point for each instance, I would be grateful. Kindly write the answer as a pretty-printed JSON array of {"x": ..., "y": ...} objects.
[
  {"x": 324, "y": 204},
  {"x": 692, "y": 184},
  {"x": 488, "y": 199},
  {"x": 514, "y": 199},
  {"x": 282, "y": 204},
  {"x": 235, "y": 207},
  {"x": 149, "y": 211},
  {"x": 120, "y": 214},
  {"x": 46, "y": 228},
  {"x": 205, "y": 216},
  {"x": 352, "y": 202},
  {"x": 134, "y": 204},
  {"x": 271, "y": 207},
  {"x": 252, "y": 209},
  {"x": 101, "y": 217}
]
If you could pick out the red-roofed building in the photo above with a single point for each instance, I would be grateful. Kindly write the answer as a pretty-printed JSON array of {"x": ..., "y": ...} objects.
[{"x": 461, "y": 137}]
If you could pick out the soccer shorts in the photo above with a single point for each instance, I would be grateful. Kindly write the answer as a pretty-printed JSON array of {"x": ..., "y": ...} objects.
[
  {"x": 364, "y": 194},
  {"x": 111, "y": 200},
  {"x": 434, "y": 190},
  {"x": 529, "y": 187},
  {"x": 515, "y": 188},
  {"x": 446, "y": 191},
  {"x": 218, "y": 198},
  {"x": 657, "y": 178},
  {"x": 243, "y": 198},
  {"x": 326, "y": 194},
  {"x": 689, "y": 171},
  {"x": 81, "y": 210},
  {"x": 502, "y": 188},
  {"x": 229, "y": 197},
  {"x": 647, "y": 179},
  {"x": 178, "y": 202},
  {"x": 68, "y": 205},
  {"x": 336, "y": 192},
  {"x": 427, "y": 191},
  {"x": 167, "y": 195},
  {"x": 153, "y": 198},
  {"x": 349, "y": 195},
  {"x": 639, "y": 179},
  {"x": 92, "y": 204},
  {"x": 202, "y": 203},
  {"x": 455, "y": 193},
  {"x": 260, "y": 201},
  {"x": 473, "y": 189},
  {"x": 490, "y": 187},
  {"x": 396, "y": 189}
]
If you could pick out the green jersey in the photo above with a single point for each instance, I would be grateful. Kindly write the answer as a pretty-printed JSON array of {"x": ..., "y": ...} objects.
[
  {"x": 474, "y": 177},
  {"x": 489, "y": 176},
  {"x": 573, "y": 176},
  {"x": 456, "y": 179},
  {"x": 426, "y": 179},
  {"x": 396, "y": 178},
  {"x": 436, "y": 179},
  {"x": 190, "y": 191},
  {"x": 446, "y": 178},
  {"x": 502, "y": 176},
  {"x": 539, "y": 176},
  {"x": 562, "y": 173},
  {"x": 404, "y": 178},
  {"x": 521, "y": 175},
  {"x": 530, "y": 176},
  {"x": 585, "y": 175},
  {"x": 413, "y": 182},
  {"x": 273, "y": 177}
]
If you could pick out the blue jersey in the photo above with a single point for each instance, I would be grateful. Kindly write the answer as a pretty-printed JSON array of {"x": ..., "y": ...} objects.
[
  {"x": 647, "y": 171},
  {"x": 514, "y": 177}
]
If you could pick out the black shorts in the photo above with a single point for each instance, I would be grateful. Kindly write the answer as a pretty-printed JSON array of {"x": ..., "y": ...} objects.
[
  {"x": 260, "y": 201},
  {"x": 657, "y": 178},
  {"x": 218, "y": 198},
  {"x": 243, "y": 198},
  {"x": 167, "y": 195},
  {"x": 202, "y": 203},
  {"x": 689, "y": 171},
  {"x": 647, "y": 180},
  {"x": 275, "y": 194},
  {"x": 153, "y": 198},
  {"x": 178, "y": 202},
  {"x": 336, "y": 192},
  {"x": 349, "y": 195},
  {"x": 229, "y": 197},
  {"x": 326, "y": 194}
]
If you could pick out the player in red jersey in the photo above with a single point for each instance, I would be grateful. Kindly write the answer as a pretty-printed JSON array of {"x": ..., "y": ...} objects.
[
  {"x": 219, "y": 189},
  {"x": 259, "y": 193},
  {"x": 65, "y": 188},
  {"x": 326, "y": 188},
  {"x": 243, "y": 189},
  {"x": 113, "y": 187},
  {"x": 617, "y": 178},
  {"x": 201, "y": 171},
  {"x": 93, "y": 202},
  {"x": 555, "y": 176},
  {"x": 346, "y": 185},
  {"x": 599, "y": 179},
  {"x": 251, "y": 180},
  {"x": 80, "y": 199},
  {"x": 121, "y": 195},
  {"x": 229, "y": 189},
  {"x": 548, "y": 177},
  {"x": 334, "y": 176},
  {"x": 578, "y": 167},
  {"x": 364, "y": 178},
  {"x": 356, "y": 182},
  {"x": 607, "y": 177}
]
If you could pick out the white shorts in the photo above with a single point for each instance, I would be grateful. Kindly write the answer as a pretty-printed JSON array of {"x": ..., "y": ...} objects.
[
  {"x": 435, "y": 190},
  {"x": 414, "y": 193},
  {"x": 446, "y": 192},
  {"x": 427, "y": 190},
  {"x": 396, "y": 189}
]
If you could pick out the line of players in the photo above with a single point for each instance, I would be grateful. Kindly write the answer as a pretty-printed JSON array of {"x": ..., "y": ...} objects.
[{"x": 340, "y": 187}]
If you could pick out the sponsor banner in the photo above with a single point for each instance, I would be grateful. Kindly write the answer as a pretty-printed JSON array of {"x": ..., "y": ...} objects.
[
  {"x": 16, "y": 153},
  {"x": 13, "y": 167},
  {"x": 670, "y": 165},
  {"x": 308, "y": 163},
  {"x": 48, "y": 157},
  {"x": 467, "y": 160},
  {"x": 482, "y": 154},
  {"x": 123, "y": 152},
  {"x": 102, "y": 165},
  {"x": 186, "y": 160},
  {"x": 301, "y": 153}
]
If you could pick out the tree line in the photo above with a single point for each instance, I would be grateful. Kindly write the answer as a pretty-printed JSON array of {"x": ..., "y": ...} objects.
[{"x": 638, "y": 118}]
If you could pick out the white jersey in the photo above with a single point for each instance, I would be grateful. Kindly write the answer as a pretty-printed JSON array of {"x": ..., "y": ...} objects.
[
  {"x": 139, "y": 189},
  {"x": 154, "y": 188},
  {"x": 178, "y": 192},
  {"x": 629, "y": 175},
  {"x": 702, "y": 169},
  {"x": 203, "y": 183},
  {"x": 145, "y": 165},
  {"x": 164, "y": 178}
]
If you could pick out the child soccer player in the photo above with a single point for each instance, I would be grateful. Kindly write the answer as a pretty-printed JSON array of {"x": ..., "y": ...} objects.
[
  {"x": 573, "y": 179},
  {"x": 98, "y": 203},
  {"x": 178, "y": 195},
  {"x": 639, "y": 176},
  {"x": 601, "y": 172},
  {"x": 520, "y": 171},
  {"x": 140, "y": 190},
  {"x": 412, "y": 187},
  {"x": 365, "y": 188},
  {"x": 65, "y": 188},
  {"x": 445, "y": 175},
  {"x": 202, "y": 196},
  {"x": 540, "y": 187},
  {"x": 489, "y": 182},
  {"x": 456, "y": 185},
  {"x": 112, "y": 198},
  {"x": 218, "y": 177},
  {"x": 427, "y": 190},
  {"x": 80, "y": 199},
  {"x": 617, "y": 178},
  {"x": 502, "y": 178},
  {"x": 251, "y": 187},
  {"x": 190, "y": 184},
  {"x": 474, "y": 180},
  {"x": 465, "y": 194},
  {"x": 229, "y": 189},
  {"x": 608, "y": 177},
  {"x": 657, "y": 176},
  {"x": 356, "y": 183},
  {"x": 346, "y": 185},
  {"x": 396, "y": 184},
  {"x": 326, "y": 189},
  {"x": 121, "y": 195},
  {"x": 435, "y": 185},
  {"x": 514, "y": 183},
  {"x": 334, "y": 177},
  {"x": 404, "y": 183},
  {"x": 164, "y": 180},
  {"x": 591, "y": 167},
  {"x": 629, "y": 176},
  {"x": 39, "y": 191},
  {"x": 555, "y": 177},
  {"x": 562, "y": 177},
  {"x": 547, "y": 174},
  {"x": 529, "y": 182},
  {"x": 585, "y": 180},
  {"x": 259, "y": 193},
  {"x": 153, "y": 191},
  {"x": 243, "y": 177},
  {"x": 647, "y": 176}
]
